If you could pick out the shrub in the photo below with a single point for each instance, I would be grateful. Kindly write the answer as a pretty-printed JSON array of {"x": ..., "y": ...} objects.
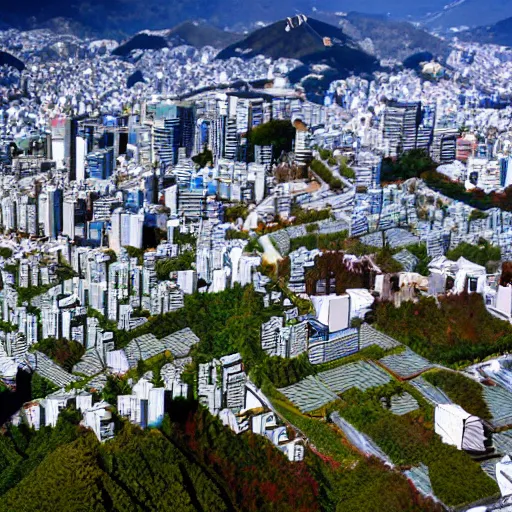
[
  {"x": 325, "y": 174},
  {"x": 64, "y": 352},
  {"x": 462, "y": 390}
]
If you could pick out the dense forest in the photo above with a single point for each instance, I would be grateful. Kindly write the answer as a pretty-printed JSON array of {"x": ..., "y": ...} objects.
[{"x": 191, "y": 463}]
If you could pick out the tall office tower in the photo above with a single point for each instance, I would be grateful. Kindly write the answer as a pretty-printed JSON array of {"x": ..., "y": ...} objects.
[
  {"x": 173, "y": 127},
  {"x": 32, "y": 226},
  {"x": 24, "y": 274},
  {"x": 125, "y": 230},
  {"x": 162, "y": 145},
  {"x": 144, "y": 145},
  {"x": 231, "y": 144},
  {"x": 187, "y": 128},
  {"x": 73, "y": 126},
  {"x": 60, "y": 131},
  {"x": 218, "y": 137},
  {"x": 8, "y": 214},
  {"x": 114, "y": 236},
  {"x": 80, "y": 218},
  {"x": 256, "y": 114},
  {"x": 80, "y": 153},
  {"x": 191, "y": 203},
  {"x": 426, "y": 127},
  {"x": 281, "y": 108},
  {"x": 100, "y": 164},
  {"x": 303, "y": 153},
  {"x": 400, "y": 124},
  {"x": 202, "y": 137},
  {"x": 21, "y": 213},
  {"x": 444, "y": 145},
  {"x": 68, "y": 216},
  {"x": 53, "y": 221},
  {"x": 241, "y": 114},
  {"x": 103, "y": 207},
  {"x": 50, "y": 321},
  {"x": 506, "y": 171},
  {"x": 31, "y": 334},
  {"x": 150, "y": 193}
]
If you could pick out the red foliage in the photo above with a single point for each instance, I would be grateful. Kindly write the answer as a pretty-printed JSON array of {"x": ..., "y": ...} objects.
[{"x": 256, "y": 473}]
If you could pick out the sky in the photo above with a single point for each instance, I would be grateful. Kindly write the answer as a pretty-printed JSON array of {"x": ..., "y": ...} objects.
[{"x": 129, "y": 16}]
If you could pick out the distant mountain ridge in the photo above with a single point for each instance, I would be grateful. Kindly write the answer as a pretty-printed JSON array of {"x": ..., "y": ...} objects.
[
  {"x": 500, "y": 33},
  {"x": 391, "y": 38},
  {"x": 121, "y": 18},
  {"x": 468, "y": 13},
  {"x": 197, "y": 34}
]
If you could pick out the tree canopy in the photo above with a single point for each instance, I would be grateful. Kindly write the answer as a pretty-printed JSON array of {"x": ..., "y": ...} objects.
[{"x": 277, "y": 133}]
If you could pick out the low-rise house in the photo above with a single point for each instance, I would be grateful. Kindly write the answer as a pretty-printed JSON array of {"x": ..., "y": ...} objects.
[
  {"x": 99, "y": 419},
  {"x": 145, "y": 406}
]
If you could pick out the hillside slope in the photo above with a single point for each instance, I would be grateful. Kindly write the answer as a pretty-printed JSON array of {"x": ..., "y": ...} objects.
[
  {"x": 500, "y": 33},
  {"x": 6, "y": 59},
  {"x": 305, "y": 44},
  {"x": 469, "y": 13},
  {"x": 392, "y": 39}
]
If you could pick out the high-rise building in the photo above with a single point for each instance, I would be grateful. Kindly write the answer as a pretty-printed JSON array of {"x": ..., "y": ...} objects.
[
  {"x": 60, "y": 131},
  {"x": 81, "y": 152},
  {"x": 100, "y": 163},
  {"x": 400, "y": 124}
]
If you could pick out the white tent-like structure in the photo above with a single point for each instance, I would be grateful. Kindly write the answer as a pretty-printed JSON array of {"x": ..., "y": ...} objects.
[
  {"x": 469, "y": 271},
  {"x": 459, "y": 428},
  {"x": 361, "y": 301},
  {"x": 468, "y": 276}
]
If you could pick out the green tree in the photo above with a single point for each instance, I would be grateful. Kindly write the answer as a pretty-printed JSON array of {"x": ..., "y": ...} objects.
[{"x": 277, "y": 133}]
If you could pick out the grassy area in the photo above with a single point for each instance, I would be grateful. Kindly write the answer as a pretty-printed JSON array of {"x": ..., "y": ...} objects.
[
  {"x": 325, "y": 437},
  {"x": 350, "y": 482},
  {"x": 462, "y": 390},
  {"x": 314, "y": 240},
  {"x": 481, "y": 254}
]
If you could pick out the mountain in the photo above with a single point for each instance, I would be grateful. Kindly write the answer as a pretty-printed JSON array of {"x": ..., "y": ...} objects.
[
  {"x": 191, "y": 464},
  {"x": 120, "y": 18},
  {"x": 304, "y": 43},
  {"x": 468, "y": 13},
  {"x": 199, "y": 34},
  {"x": 391, "y": 39},
  {"x": 500, "y": 33},
  {"x": 140, "y": 42}
]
